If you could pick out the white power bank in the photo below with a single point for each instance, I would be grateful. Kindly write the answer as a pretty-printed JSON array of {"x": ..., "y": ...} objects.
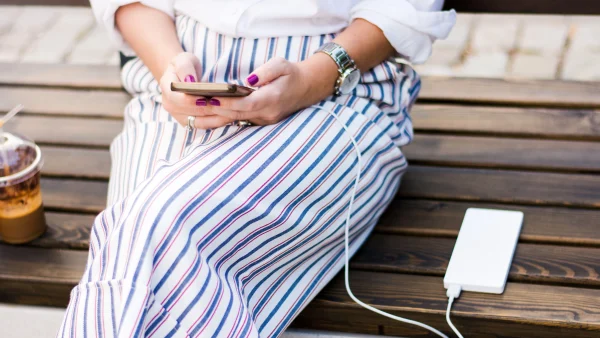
[{"x": 484, "y": 250}]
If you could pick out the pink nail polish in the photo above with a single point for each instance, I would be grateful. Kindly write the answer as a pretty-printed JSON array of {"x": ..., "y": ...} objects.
[
  {"x": 201, "y": 102},
  {"x": 215, "y": 102},
  {"x": 190, "y": 78},
  {"x": 252, "y": 79}
]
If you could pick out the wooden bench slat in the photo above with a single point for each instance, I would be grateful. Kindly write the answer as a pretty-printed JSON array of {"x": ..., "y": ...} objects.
[
  {"x": 35, "y": 264},
  {"x": 516, "y": 187},
  {"x": 74, "y": 195},
  {"x": 444, "y": 150},
  {"x": 60, "y": 75},
  {"x": 443, "y": 218},
  {"x": 65, "y": 231},
  {"x": 530, "y": 122},
  {"x": 66, "y": 131},
  {"x": 66, "y": 102},
  {"x": 422, "y": 218},
  {"x": 515, "y": 92},
  {"x": 76, "y": 162},
  {"x": 520, "y": 92},
  {"x": 42, "y": 276},
  {"x": 39, "y": 276},
  {"x": 428, "y": 255},
  {"x": 472, "y": 151},
  {"x": 544, "y": 305}
]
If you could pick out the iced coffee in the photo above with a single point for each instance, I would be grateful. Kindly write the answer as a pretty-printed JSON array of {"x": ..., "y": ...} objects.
[{"x": 21, "y": 209}]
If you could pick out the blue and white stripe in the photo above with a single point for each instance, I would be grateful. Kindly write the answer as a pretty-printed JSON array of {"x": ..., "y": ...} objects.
[{"x": 230, "y": 232}]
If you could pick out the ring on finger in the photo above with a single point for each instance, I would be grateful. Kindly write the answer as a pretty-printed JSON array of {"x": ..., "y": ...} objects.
[
  {"x": 244, "y": 123},
  {"x": 191, "y": 122}
]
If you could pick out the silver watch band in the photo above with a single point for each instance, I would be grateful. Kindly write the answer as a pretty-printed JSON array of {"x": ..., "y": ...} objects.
[{"x": 341, "y": 58}]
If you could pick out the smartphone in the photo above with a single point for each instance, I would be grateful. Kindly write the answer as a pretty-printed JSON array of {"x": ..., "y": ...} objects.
[{"x": 207, "y": 89}]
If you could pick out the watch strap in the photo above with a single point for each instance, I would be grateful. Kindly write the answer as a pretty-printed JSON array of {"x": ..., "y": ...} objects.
[{"x": 341, "y": 58}]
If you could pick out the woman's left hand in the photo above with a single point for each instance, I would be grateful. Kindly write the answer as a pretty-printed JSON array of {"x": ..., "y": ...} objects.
[{"x": 285, "y": 87}]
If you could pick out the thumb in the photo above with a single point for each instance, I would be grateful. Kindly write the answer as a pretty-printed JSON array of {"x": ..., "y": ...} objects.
[
  {"x": 268, "y": 72},
  {"x": 187, "y": 67}
]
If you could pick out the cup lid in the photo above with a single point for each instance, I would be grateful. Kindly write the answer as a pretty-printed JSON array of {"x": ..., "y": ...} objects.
[{"x": 19, "y": 159}]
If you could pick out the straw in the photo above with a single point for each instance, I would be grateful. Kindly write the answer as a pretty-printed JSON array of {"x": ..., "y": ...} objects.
[{"x": 11, "y": 114}]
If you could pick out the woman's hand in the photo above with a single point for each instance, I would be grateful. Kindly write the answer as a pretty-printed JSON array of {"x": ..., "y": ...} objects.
[
  {"x": 285, "y": 87},
  {"x": 185, "y": 67}
]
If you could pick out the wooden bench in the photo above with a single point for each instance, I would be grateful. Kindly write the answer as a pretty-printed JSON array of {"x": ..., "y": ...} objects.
[{"x": 530, "y": 145}]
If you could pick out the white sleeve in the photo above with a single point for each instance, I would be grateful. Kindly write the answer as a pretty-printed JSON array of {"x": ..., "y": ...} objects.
[
  {"x": 105, "y": 10},
  {"x": 411, "y": 26}
]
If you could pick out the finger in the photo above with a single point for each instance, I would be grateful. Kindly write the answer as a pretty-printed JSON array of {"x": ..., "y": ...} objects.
[
  {"x": 257, "y": 100},
  {"x": 268, "y": 72},
  {"x": 187, "y": 67},
  {"x": 232, "y": 114},
  {"x": 211, "y": 122},
  {"x": 177, "y": 101}
]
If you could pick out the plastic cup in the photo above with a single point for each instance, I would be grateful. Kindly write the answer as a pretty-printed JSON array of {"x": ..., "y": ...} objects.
[{"x": 22, "y": 216}]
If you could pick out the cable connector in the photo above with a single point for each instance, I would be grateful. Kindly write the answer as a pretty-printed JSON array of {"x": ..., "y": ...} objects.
[{"x": 453, "y": 292}]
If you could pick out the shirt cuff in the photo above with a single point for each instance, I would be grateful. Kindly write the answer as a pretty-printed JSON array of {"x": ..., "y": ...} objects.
[
  {"x": 105, "y": 15},
  {"x": 411, "y": 32}
]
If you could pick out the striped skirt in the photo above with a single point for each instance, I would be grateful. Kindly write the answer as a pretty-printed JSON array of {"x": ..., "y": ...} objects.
[{"x": 230, "y": 232}]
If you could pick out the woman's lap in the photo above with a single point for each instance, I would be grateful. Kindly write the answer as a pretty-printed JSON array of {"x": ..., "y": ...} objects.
[
  {"x": 244, "y": 228},
  {"x": 236, "y": 229}
]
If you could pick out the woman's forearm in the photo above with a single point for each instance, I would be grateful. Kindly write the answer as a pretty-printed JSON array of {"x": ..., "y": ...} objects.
[
  {"x": 366, "y": 45},
  {"x": 150, "y": 33}
]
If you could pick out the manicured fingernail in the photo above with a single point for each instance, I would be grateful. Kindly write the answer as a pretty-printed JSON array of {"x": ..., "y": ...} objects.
[
  {"x": 215, "y": 102},
  {"x": 190, "y": 78},
  {"x": 252, "y": 79},
  {"x": 201, "y": 102}
]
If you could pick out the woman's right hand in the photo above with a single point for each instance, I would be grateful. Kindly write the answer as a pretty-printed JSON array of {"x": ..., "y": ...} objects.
[{"x": 185, "y": 67}]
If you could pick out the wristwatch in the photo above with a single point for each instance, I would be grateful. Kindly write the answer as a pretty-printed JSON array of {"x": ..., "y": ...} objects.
[{"x": 349, "y": 74}]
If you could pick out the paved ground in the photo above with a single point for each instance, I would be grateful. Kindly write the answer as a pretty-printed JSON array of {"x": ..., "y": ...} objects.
[{"x": 512, "y": 46}]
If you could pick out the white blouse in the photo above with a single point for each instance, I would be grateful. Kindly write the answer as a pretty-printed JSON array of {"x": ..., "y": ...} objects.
[{"x": 411, "y": 26}]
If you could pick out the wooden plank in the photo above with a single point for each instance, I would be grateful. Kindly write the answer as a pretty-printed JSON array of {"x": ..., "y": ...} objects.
[
  {"x": 470, "y": 151},
  {"x": 74, "y": 195},
  {"x": 66, "y": 131},
  {"x": 26, "y": 272},
  {"x": 424, "y": 298},
  {"x": 443, "y": 218},
  {"x": 530, "y": 122},
  {"x": 516, "y": 92},
  {"x": 76, "y": 162},
  {"x": 426, "y": 149},
  {"x": 585, "y": 7},
  {"x": 515, "y": 187},
  {"x": 65, "y": 231},
  {"x": 65, "y": 102},
  {"x": 60, "y": 75},
  {"x": 403, "y": 217},
  {"x": 532, "y": 262},
  {"x": 39, "y": 276}
]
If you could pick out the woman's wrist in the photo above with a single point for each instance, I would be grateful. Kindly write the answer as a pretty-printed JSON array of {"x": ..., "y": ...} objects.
[{"x": 319, "y": 73}]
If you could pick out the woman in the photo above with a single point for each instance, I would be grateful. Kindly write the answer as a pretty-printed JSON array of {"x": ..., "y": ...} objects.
[{"x": 226, "y": 215}]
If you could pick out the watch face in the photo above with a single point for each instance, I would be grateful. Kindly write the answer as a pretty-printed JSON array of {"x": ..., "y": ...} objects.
[{"x": 350, "y": 80}]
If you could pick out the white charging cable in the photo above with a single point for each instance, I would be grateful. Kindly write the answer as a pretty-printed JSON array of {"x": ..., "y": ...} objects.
[
  {"x": 347, "y": 240},
  {"x": 453, "y": 292}
]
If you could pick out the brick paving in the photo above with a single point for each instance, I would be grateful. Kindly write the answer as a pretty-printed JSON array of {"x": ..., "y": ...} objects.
[{"x": 481, "y": 45}]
